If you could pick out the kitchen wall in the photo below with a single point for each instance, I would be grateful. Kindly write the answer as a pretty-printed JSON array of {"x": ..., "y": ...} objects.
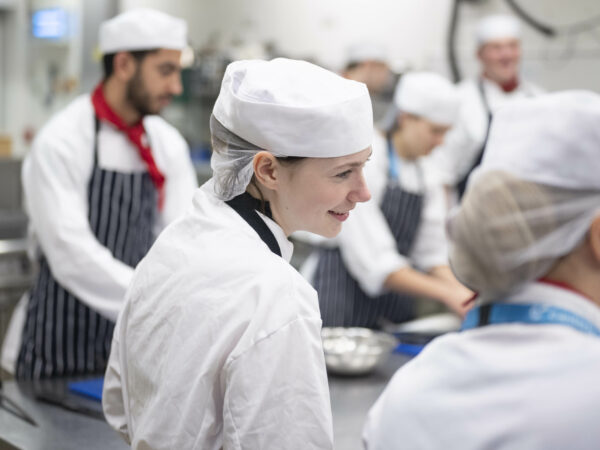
[{"x": 413, "y": 32}]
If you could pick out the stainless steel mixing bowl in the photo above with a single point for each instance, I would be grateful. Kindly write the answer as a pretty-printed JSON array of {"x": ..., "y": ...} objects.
[{"x": 355, "y": 351}]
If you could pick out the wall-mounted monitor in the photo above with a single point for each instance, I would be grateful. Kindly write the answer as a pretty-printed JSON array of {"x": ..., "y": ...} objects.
[{"x": 51, "y": 23}]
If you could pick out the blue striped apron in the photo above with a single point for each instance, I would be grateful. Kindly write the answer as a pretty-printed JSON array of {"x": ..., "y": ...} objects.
[
  {"x": 341, "y": 299},
  {"x": 62, "y": 336}
]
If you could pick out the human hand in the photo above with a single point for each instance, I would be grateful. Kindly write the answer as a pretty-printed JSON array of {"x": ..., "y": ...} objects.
[{"x": 459, "y": 299}]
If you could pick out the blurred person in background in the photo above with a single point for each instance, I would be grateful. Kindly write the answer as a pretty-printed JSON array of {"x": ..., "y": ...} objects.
[
  {"x": 393, "y": 248},
  {"x": 523, "y": 373},
  {"x": 104, "y": 176},
  {"x": 367, "y": 63},
  {"x": 219, "y": 343},
  {"x": 499, "y": 82}
]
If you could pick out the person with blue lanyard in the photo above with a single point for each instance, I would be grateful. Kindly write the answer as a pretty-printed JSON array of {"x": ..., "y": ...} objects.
[
  {"x": 393, "y": 249},
  {"x": 523, "y": 372}
]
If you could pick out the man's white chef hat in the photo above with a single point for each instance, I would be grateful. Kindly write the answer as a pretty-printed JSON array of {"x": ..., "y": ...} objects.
[
  {"x": 427, "y": 95},
  {"x": 286, "y": 107},
  {"x": 535, "y": 194},
  {"x": 498, "y": 26},
  {"x": 142, "y": 29}
]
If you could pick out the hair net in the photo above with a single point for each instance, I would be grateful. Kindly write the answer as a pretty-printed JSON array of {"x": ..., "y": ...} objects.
[
  {"x": 231, "y": 161},
  {"x": 509, "y": 231}
]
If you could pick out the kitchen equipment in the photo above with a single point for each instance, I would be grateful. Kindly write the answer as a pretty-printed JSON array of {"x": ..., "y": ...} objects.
[
  {"x": 421, "y": 331},
  {"x": 355, "y": 351}
]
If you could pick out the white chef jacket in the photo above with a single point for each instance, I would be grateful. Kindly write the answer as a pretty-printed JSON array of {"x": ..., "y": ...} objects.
[
  {"x": 219, "y": 342},
  {"x": 502, "y": 386},
  {"x": 452, "y": 160},
  {"x": 367, "y": 245},
  {"x": 55, "y": 179}
]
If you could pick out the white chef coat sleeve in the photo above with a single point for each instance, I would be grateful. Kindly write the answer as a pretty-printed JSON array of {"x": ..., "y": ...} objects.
[
  {"x": 175, "y": 162},
  {"x": 366, "y": 243},
  {"x": 113, "y": 402},
  {"x": 277, "y": 394},
  {"x": 55, "y": 186},
  {"x": 430, "y": 248}
]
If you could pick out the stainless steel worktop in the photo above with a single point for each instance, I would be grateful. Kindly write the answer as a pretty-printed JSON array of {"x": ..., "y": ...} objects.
[
  {"x": 57, "y": 429},
  {"x": 351, "y": 398}
]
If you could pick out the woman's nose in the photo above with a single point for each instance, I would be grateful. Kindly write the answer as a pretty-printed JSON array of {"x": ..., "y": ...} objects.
[{"x": 361, "y": 192}]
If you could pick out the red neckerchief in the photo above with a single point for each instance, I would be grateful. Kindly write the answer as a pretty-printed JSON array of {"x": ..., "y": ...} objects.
[
  {"x": 136, "y": 134},
  {"x": 509, "y": 86},
  {"x": 562, "y": 284}
]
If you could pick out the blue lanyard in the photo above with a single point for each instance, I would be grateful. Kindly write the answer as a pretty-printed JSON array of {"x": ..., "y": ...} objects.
[
  {"x": 394, "y": 162},
  {"x": 496, "y": 313}
]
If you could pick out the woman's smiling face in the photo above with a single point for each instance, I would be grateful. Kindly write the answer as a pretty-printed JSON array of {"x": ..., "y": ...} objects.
[{"x": 317, "y": 194}]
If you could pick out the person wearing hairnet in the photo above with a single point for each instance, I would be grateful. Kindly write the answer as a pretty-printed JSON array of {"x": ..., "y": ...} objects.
[
  {"x": 499, "y": 53},
  {"x": 103, "y": 177},
  {"x": 393, "y": 248},
  {"x": 219, "y": 343},
  {"x": 524, "y": 372}
]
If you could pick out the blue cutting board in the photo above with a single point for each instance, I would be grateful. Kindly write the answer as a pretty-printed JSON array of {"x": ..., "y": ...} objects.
[
  {"x": 409, "y": 349},
  {"x": 89, "y": 388}
]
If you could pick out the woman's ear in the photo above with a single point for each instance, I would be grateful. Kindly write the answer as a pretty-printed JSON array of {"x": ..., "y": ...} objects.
[
  {"x": 594, "y": 239},
  {"x": 266, "y": 169}
]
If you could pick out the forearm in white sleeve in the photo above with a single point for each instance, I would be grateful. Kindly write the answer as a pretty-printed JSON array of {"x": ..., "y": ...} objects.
[
  {"x": 56, "y": 202},
  {"x": 368, "y": 248}
]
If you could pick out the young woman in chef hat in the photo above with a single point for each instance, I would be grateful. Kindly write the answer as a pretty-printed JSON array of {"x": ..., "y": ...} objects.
[{"x": 219, "y": 342}]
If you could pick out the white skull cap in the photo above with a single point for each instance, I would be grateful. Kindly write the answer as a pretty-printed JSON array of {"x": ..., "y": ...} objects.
[
  {"x": 553, "y": 139},
  {"x": 366, "y": 51},
  {"x": 428, "y": 95},
  {"x": 498, "y": 26},
  {"x": 295, "y": 108},
  {"x": 142, "y": 29}
]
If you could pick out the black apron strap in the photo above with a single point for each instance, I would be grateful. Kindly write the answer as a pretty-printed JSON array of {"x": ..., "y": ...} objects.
[
  {"x": 462, "y": 185},
  {"x": 245, "y": 205}
]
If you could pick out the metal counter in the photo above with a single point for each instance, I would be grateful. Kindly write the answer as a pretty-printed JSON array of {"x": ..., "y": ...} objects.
[
  {"x": 351, "y": 399},
  {"x": 59, "y": 429}
]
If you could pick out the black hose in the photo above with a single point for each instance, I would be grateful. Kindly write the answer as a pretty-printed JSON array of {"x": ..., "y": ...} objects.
[
  {"x": 451, "y": 42},
  {"x": 532, "y": 21}
]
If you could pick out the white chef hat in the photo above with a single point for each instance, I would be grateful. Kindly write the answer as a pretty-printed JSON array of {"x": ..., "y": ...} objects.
[
  {"x": 366, "y": 51},
  {"x": 498, "y": 26},
  {"x": 553, "y": 139},
  {"x": 535, "y": 194},
  {"x": 427, "y": 95},
  {"x": 142, "y": 29},
  {"x": 289, "y": 108}
]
